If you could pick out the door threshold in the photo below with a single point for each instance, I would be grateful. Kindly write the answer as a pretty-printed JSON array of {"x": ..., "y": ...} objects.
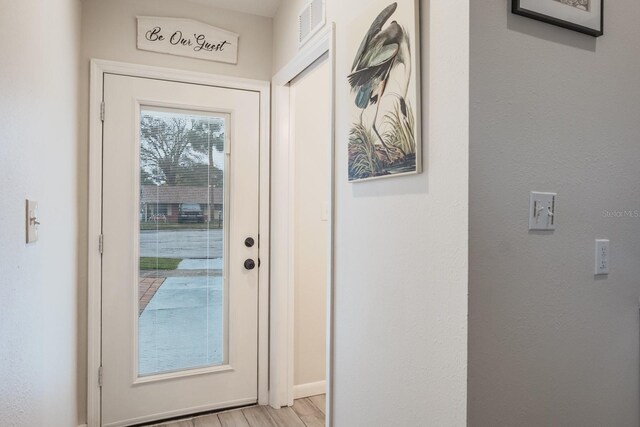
[{"x": 194, "y": 415}]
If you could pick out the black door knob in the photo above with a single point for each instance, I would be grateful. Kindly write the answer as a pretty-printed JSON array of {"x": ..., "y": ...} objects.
[
  {"x": 249, "y": 264},
  {"x": 249, "y": 242}
]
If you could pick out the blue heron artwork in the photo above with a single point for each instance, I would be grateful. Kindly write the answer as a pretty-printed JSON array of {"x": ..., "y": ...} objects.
[{"x": 383, "y": 83}]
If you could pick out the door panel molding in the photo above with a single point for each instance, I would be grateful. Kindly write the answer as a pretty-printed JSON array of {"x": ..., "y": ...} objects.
[{"x": 94, "y": 301}]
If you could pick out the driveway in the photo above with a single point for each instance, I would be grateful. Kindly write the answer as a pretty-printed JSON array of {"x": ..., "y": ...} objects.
[{"x": 181, "y": 243}]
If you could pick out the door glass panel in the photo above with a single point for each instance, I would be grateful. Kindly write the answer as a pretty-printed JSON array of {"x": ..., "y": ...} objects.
[{"x": 182, "y": 298}]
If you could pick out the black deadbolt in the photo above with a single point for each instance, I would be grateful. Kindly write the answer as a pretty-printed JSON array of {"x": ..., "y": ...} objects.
[
  {"x": 249, "y": 242},
  {"x": 249, "y": 264}
]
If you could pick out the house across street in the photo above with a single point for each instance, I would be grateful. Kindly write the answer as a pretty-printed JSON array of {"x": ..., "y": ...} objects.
[{"x": 164, "y": 202}]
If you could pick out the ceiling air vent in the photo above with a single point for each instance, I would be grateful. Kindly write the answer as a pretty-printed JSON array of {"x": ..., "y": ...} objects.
[{"x": 310, "y": 21}]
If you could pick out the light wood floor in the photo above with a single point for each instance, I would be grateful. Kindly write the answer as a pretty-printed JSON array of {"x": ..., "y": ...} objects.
[{"x": 307, "y": 412}]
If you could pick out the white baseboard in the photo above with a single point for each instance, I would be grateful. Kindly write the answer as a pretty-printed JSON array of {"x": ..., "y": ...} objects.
[
  {"x": 309, "y": 389},
  {"x": 82, "y": 425}
]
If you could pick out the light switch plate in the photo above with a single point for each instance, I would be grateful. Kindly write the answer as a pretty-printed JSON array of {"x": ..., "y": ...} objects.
[
  {"x": 32, "y": 221},
  {"x": 542, "y": 209},
  {"x": 602, "y": 257}
]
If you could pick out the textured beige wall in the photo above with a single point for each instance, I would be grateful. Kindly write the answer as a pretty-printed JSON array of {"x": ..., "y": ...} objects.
[
  {"x": 39, "y": 41},
  {"x": 285, "y": 30},
  {"x": 401, "y": 243},
  {"x": 553, "y": 110},
  {"x": 109, "y": 32}
]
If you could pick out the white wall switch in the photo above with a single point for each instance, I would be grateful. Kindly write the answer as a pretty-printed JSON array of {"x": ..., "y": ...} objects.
[
  {"x": 32, "y": 221},
  {"x": 603, "y": 257},
  {"x": 542, "y": 209}
]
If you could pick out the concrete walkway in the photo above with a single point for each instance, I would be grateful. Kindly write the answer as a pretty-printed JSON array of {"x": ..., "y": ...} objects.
[
  {"x": 181, "y": 311},
  {"x": 182, "y": 325},
  {"x": 201, "y": 264}
]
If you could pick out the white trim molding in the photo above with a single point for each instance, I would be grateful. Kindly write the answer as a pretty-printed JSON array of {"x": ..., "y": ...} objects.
[
  {"x": 282, "y": 391},
  {"x": 309, "y": 389},
  {"x": 98, "y": 69}
]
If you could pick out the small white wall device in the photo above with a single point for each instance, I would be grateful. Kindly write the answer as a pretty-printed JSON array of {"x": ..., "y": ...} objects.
[
  {"x": 542, "y": 210},
  {"x": 32, "y": 221},
  {"x": 602, "y": 257}
]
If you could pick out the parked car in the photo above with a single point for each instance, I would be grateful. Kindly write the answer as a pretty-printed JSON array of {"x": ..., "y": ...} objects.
[{"x": 191, "y": 212}]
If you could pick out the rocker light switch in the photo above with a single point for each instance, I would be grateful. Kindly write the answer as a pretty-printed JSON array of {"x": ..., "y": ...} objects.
[
  {"x": 32, "y": 221},
  {"x": 602, "y": 257},
  {"x": 542, "y": 209}
]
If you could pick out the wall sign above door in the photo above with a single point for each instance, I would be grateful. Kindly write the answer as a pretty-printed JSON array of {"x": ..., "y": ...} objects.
[{"x": 186, "y": 37}]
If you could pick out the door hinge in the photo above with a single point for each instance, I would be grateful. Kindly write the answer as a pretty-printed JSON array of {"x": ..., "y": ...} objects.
[
  {"x": 101, "y": 243},
  {"x": 102, "y": 111},
  {"x": 100, "y": 376}
]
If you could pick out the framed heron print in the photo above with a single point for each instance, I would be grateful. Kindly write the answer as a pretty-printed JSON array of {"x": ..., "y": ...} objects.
[
  {"x": 384, "y": 91},
  {"x": 584, "y": 16}
]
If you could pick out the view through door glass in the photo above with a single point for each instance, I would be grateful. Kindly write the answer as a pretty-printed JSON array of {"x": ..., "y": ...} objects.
[{"x": 182, "y": 298}]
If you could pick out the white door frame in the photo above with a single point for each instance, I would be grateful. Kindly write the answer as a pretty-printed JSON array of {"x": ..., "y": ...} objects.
[
  {"x": 282, "y": 227},
  {"x": 98, "y": 69}
]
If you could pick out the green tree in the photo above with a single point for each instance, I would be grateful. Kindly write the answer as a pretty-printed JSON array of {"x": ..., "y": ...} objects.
[
  {"x": 212, "y": 138},
  {"x": 146, "y": 178},
  {"x": 173, "y": 149}
]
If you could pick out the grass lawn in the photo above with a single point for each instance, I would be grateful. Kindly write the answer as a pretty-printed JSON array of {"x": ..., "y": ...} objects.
[
  {"x": 177, "y": 226},
  {"x": 159, "y": 263}
]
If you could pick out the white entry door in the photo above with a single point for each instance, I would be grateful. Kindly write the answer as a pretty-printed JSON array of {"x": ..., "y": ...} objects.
[{"x": 180, "y": 247}]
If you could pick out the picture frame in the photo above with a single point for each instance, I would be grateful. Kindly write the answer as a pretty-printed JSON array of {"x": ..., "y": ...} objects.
[
  {"x": 584, "y": 16},
  {"x": 384, "y": 97}
]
